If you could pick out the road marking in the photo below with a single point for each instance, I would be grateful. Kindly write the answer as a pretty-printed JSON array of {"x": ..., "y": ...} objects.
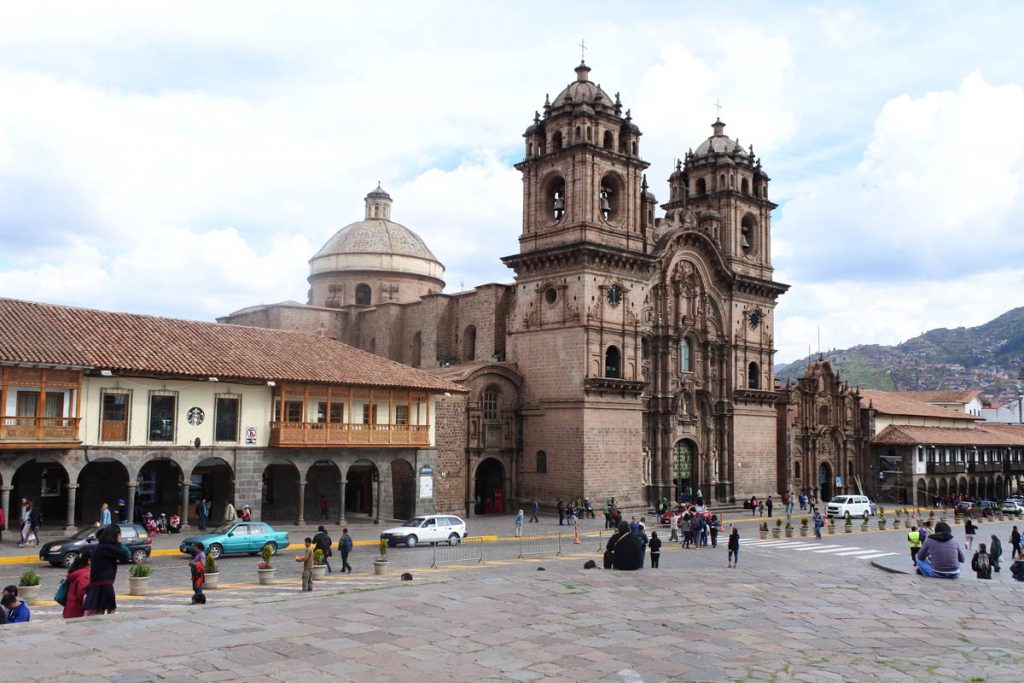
[
  {"x": 874, "y": 556},
  {"x": 838, "y": 548},
  {"x": 856, "y": 552}
]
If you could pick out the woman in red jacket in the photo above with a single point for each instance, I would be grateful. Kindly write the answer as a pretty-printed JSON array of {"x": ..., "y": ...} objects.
[{"x": 78, "y": 582}]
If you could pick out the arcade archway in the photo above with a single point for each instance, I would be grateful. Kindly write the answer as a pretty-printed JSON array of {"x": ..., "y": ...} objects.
[
  {"x": 323, "y": 483},
  {"x": 825, "y": 482},
  {"x": 45, "y": 485},
  {"x": 101, "y": 481},
  {"x": 158, "y": 489},
  {"x": 213, "y": 480},
  {"x": 280, "y": 492},
  {"x": 362, "y": 476},
  {"x": 403, "y": 488},
  {"x": 489, "y": 487}
]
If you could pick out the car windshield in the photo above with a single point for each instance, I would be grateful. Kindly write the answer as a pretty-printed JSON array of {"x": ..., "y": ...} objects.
[
  {"x": 84, "y": 533},
  {"x": 838, "y": 500},
  {"x": 414, "y": 522},
  {"x": 223, "y": 528}
]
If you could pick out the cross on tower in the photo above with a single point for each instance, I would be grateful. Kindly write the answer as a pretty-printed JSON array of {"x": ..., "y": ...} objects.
[
  {"x": 718, "y": 107},
  {"x": 583, "y": 49}
]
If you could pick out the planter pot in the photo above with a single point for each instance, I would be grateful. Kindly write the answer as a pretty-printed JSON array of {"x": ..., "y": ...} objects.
[
  {"x": 776, "y": 532},
  {"x": 319, "y": 571},
  {"x": 211, "y": 580},
  {"x": 849, "y": 528},
  {"x": 138, "y": 585},
  {"x": 30, "y": 594},
  {"x": 267, "y": 575},
  {"x": 864, "y": 528},
  {"x": 763, "y": 535},
  {"x": 896, "y": 524},
  {"x": 881, "y": 525},
  {"x": 380, "y": 567},
  {"x": 804, "y": 531},
  {"x": 957, "y": 520},
  {"x": 831, "y": 531},
  {"x": 789, "y": 533},
  {"x": 942, "y": 518},
  {"x": 1002, "y": 517}
]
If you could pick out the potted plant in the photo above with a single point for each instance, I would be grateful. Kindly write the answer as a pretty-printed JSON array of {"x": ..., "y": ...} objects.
[
  {"x": 864, "y": 523},
  {"x": 319, "y": 568},
  {"x": 789, "y": 529},
  {"x": 762, "y": 531},
  {"x": 881, "y": 520},
  {"x": 380, "y": 565},
  {"x": 896, "y": 522},
  {"x": 804, "y": 529},
  {"x": 138, "y": 579},
  {"x": 831, "y": 526},
  {"x": 265, "y": 570},
  {"x": 849, "y": 525},
  {"x": 212, "y": 573},
  {"x": 28, "y": 586},
  {"x": 777, "y": 531}
]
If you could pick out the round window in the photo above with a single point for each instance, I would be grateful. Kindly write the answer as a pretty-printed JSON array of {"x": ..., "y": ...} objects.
[{"x": 551, "y": 295}]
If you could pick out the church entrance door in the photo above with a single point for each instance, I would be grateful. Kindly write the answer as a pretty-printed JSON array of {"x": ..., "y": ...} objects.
[
  {"x": 824, "y": 482},
  {"x": 489, "y": 488},
  {"x": 684, "y": 470}
]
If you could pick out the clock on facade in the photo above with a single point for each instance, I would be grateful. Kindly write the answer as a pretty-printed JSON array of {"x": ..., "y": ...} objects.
[
  {"x": 195, "y": 416},
  {"x": 754, "y": 318},
  {"x": 614, "y": 295}
]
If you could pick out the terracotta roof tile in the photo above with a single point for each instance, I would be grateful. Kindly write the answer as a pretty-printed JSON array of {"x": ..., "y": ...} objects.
[
  {"x": 906, "y": 435},
  {"x": 962, "y": 396},
  {"x": 60, "y": 335},
  {"x": 890, "y": 403}
]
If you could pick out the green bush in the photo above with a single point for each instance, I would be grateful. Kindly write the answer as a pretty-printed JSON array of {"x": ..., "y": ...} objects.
[
  {"x": 140, "y": 570},
  {"x": 382, "y": 548},
  {"x": 266, "y": 552},
  {"x": 318, "y": 556},
  {"x": 778, "y": 523},
  {"x": 211, "y": 565},
  {"x": 29, "y": 578}
]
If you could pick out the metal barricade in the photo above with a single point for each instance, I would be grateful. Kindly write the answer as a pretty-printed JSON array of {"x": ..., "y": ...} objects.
[
  {"x": 540, "y": 544},
  {"x": 467, "y": 550}
]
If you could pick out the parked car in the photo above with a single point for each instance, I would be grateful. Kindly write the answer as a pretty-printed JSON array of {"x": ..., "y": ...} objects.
[
  {"x": 988, "y": 508},
  {"x": 849, "y": 506},
  {"x": 1012, "y": 507},
  {"x": 237, "y": 538},
  {"x": 64, "y": 551},
  {"x": 964, "y": 507},
  {"x": 428, "y": 529}
]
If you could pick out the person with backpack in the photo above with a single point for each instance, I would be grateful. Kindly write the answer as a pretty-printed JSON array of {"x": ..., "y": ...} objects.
[
  {"x": 323, "y": 543},
  {"x": 734, "y": 548},
  {"x": 198, "y": 580},
  {"x": 108, "y": 551},
  {"x": 1015, "y": 542},
  {"x": 78, "y": 583},
  {"x": 655, "y": 546},
  {"x": 995, "y": 552},
  {"x": 345, "y": 547},
  {"x": 981, "y": 563}
]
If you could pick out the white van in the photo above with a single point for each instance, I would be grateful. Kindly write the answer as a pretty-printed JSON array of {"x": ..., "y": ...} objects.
[{"x": 849, "y": 506}]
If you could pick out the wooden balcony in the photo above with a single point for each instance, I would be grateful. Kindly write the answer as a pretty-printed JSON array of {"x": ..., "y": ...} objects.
[
  {"x": 1013, "y": 466},
  {"x": 335, "y": 435},
  {"x": 946, "y": 468},
  {"x": 986, "y": 467},
  {"x": 45, "y": 431}
]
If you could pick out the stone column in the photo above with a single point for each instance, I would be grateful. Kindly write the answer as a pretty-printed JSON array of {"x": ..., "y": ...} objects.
[
  {"x": 184, "y": 504},
  {"x": 72, "y": 490},
  {"x": 302, "y": 503},
  {"x": 376, "y": 519},
  {"x": 341, "y": 505},
  {"x": 131, "y": 502},
  {"x": 5, "y": 503}
]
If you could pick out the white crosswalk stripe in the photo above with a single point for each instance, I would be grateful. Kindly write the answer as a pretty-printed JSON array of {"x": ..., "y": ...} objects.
[
  {"x": 874, "y": 556},
  {"x": 837, "y": 549},
  {"x": 819, "y": 547}
]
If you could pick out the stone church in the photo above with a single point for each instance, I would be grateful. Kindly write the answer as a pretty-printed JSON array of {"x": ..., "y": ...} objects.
[{"x": 632, "y": 355}]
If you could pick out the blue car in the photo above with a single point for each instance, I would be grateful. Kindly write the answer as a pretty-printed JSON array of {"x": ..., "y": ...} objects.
[{"x": 237, "y": 538}]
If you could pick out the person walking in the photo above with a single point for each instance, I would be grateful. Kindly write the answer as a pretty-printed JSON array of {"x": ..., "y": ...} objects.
[
  {"x": 202, "y": 512},
  {"x": 561, "y": 512},
  {"x": 534, "y": 509},
  {"x": 819, "y": 522},
  {"x": 345, "y": 547},
  {"x": 78, "y": 583},
  {"x": 122, "y": 511},
  {"x": 753, "y": 506},
  {"x": 655, "y": 545},
  {"x": 914, "y": 539},
  {"x": 769, "y": 505},
  {"x": 105, "y": 555},
  {"x": 325, "y": 508},
  {"x": 1015, "y": 542},
  {"x": 198, "y": 570},
  {"x": 26, "y": 522},
  {"x": 306, "y": 558},
  {"x": 714, "y": 528},
  {"x": 105, "y": 519},
  {"x": 995, "y": 552},
  {"x": 734, "y": 548},
  {"x": 687, "y": 530},
  {"x": 519, "y": 524},
  {"x": 199, "y": 552},
  {"x": 981, "y": 563},
  {"x": 230, "y": 514},
  {"x": 969, "y": 531},
  {"x": 675, "y": 525},
  {"x": 323, "y": 543},
  {"x": 35, "y": 520}
]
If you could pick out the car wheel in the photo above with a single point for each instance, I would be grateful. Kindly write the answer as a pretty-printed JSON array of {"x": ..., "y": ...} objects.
[
  {"x": 66, "y": 561},
  {"x": 454, "y": 539},
  {"x": 410, "y": 542},
  {"x": 139, "y": 556},
  {"x": 215, "y": 550},
  {"x": 272, "y": 546}
]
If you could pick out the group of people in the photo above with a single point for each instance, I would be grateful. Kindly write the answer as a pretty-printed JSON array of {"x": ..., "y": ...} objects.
[
  {"x": 30, "y": 520},
  {"x": 937, "y": 554},
  {"x": 758, "y": 506}
]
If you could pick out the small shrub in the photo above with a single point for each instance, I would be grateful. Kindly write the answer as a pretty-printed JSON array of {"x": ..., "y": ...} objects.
[
  {"x": 764, "y": 526},
  {"x": 29, "y": 578},
  {"x": 140, "y": 570},
  {"x": 382, "y": 548},
  {"x": 266, "y": 552},
  {"x": 318, "y": 556},
  {"x": 211, "y": 565},
  {"x": 778, "y": 523},
  {"x": 803, "y": 521}
]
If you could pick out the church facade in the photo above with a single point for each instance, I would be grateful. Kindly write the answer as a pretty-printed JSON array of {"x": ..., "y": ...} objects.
[{"x": 631, "y": 357}]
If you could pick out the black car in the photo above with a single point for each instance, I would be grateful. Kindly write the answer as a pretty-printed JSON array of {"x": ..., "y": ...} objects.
[{"x": 65, "y": 551}]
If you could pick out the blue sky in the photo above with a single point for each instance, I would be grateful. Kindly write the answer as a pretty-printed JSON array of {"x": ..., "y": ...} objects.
[{"x": 188, "y": 159}]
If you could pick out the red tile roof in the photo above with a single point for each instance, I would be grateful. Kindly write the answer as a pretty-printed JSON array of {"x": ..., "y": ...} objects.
[
  {"x": 964, "y": 396},
  {"x": 124, "y": 342},
  {"x": 890, "y": 403},
  {"x": 906, "y": 435}
]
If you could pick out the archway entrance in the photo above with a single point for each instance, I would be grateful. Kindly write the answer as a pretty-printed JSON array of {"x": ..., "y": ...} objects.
[
  {"x": 824, "y": 482},
  {"x": 159, "y": 489},
  {"x": 45, "y": 485},
  {"x": 280, "y": 493},
  {"x": 101, "y": 481},
  {"x": 489, "y": 488},
  {"x": 323, "y": 482},
  {"x": 684, "y": 470},
  {"x": 213, "y": 480},
  {"x": 359, "y": 489},
  {"x": 403, "y": 488}
]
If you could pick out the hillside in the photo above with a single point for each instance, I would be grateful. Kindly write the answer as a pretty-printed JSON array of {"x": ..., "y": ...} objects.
[{"x": 989, "y": 357}]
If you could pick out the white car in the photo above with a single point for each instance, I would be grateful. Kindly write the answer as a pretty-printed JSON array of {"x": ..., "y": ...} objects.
[
  {"x": 849, "y": 506},
  {"x": 1012, "y": 507},
  {"x": 426, "y": 529}
]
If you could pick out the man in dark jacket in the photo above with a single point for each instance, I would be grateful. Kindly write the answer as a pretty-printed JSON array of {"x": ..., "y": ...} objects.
[
  {"x": 628, "y": 551},
  {"x": 323, "y": 542},
  {"x": 345, "y": 547},
  {"x": 940, "y": 555}
]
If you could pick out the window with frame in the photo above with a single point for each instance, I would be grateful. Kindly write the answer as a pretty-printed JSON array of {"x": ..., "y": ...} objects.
[
  {"x": 613, "y": 363},
  {"x": 369, "y": 413},
  {"x": 227, "y": 418},
  {"x": 685, "y": 355},
  {"x": 114, "y": 416},
  {"x": 28, "y": 403},
  {"x": 336, "y": 413},
  {"x": 490, "y": 405},
  {"x": 401, "y": 415},
  {"x": 162, "y": 412},
  {"x": 542, "y": 462}
]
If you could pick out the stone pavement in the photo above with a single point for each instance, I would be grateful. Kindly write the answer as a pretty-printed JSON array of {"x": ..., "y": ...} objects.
[{"x": 771, "y": 619}]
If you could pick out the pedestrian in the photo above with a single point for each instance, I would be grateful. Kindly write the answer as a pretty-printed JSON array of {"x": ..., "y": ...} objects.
[
  {"x": 199, "y": 552},
  {"x": 35, "y": 520},
  {"x": 734, "y": 548},
  {"x": 969, "y": 531},
  {"x": 940, "y": 555},
  {"x": 995, "y": 552},
  {"x": 325, "y": 508},
  {"x": 641, "y": 532},
  {"x": 345, "y": 547},
  {"x": 703, "y": 531},
  {"x": 607, "y": 516},
  {"x": 122, "y": 511},
  {"x": 561, "y": 512},
  {"x": 16, "y": 609},
  {"x": 760, "y": 508},
  {"x": 1015, "y": 542},
  {"x": 202, "y": 512},
  {"x": 914, "y": 539},
  {"x": 198, "y": 580},
  {"x": 589, "y": 508},
  {"x": 306, "y": 558},
  {"x": 230, "y": 514},
  {"x": 753, "y": 506},
  {"x": 714, "y": 527},
  {"x": 246, "y": 513},
  {"x": 323, "y": 543},
  {"x": 3, "y": 525},
  {"x": 534, "y": 509},
  {"x": 655, "y": 545},
  {"x": 572, "y": 520},
  {"x": 675, "y": 524},
  {"x": 105, "y": 519},
  {"x": 519, "y": 523},
  {"x": 803, "y": 500},
  {"x": 25, "y": 524},
  {"x": 981, "y": 563},
  {"x": 78, "y": 583},
  {"x": 819, "y": 522},
  {"x": 769, "y": 505},
  {"x": 687, "y": 530},
  {"x": 108, "y": 551}
]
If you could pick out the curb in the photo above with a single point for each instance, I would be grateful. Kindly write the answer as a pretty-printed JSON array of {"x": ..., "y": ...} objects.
[{"x": 890, "y": 570}]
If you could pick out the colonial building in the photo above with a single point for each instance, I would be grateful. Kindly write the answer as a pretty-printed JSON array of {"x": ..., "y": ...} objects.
[
  {"x": 96, "y": 406},
  {"x": 632, "y": 355}
]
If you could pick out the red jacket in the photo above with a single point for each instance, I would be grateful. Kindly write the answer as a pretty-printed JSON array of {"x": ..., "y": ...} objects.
[{"x": 78, "y": 582}]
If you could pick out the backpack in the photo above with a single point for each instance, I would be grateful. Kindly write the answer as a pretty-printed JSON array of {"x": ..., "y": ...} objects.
[
  {"x": 61, "y": 596},
  {"x": 980, "y": 563}
]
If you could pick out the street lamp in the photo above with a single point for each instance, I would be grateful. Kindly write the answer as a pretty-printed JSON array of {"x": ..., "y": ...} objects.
[{"x": 1020, "y": 397}]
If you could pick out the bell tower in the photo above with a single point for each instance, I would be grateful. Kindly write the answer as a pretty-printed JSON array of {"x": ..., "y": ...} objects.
[{"x": 581, "y": 280}]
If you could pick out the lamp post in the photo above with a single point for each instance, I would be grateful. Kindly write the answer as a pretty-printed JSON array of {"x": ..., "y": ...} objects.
[{"x": 1020, "y": 397}]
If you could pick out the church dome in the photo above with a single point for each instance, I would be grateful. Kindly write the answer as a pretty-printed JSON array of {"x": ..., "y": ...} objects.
[
  {"x": 582, "y": 93},
  {"x": 719, "y": 143}
]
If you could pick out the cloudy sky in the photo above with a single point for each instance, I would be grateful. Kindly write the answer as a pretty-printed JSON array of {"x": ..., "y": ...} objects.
[{"x": 187, "y": 159}]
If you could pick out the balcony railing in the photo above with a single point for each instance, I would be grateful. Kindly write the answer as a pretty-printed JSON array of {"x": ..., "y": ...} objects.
[
  {"x": 1013, "y": 466},
  {"x": 286, "y": 434},
  {"x": 39, "y": 428},
  {"x": 946, "y": 467},
  {"x": 986, "y": 467}
]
